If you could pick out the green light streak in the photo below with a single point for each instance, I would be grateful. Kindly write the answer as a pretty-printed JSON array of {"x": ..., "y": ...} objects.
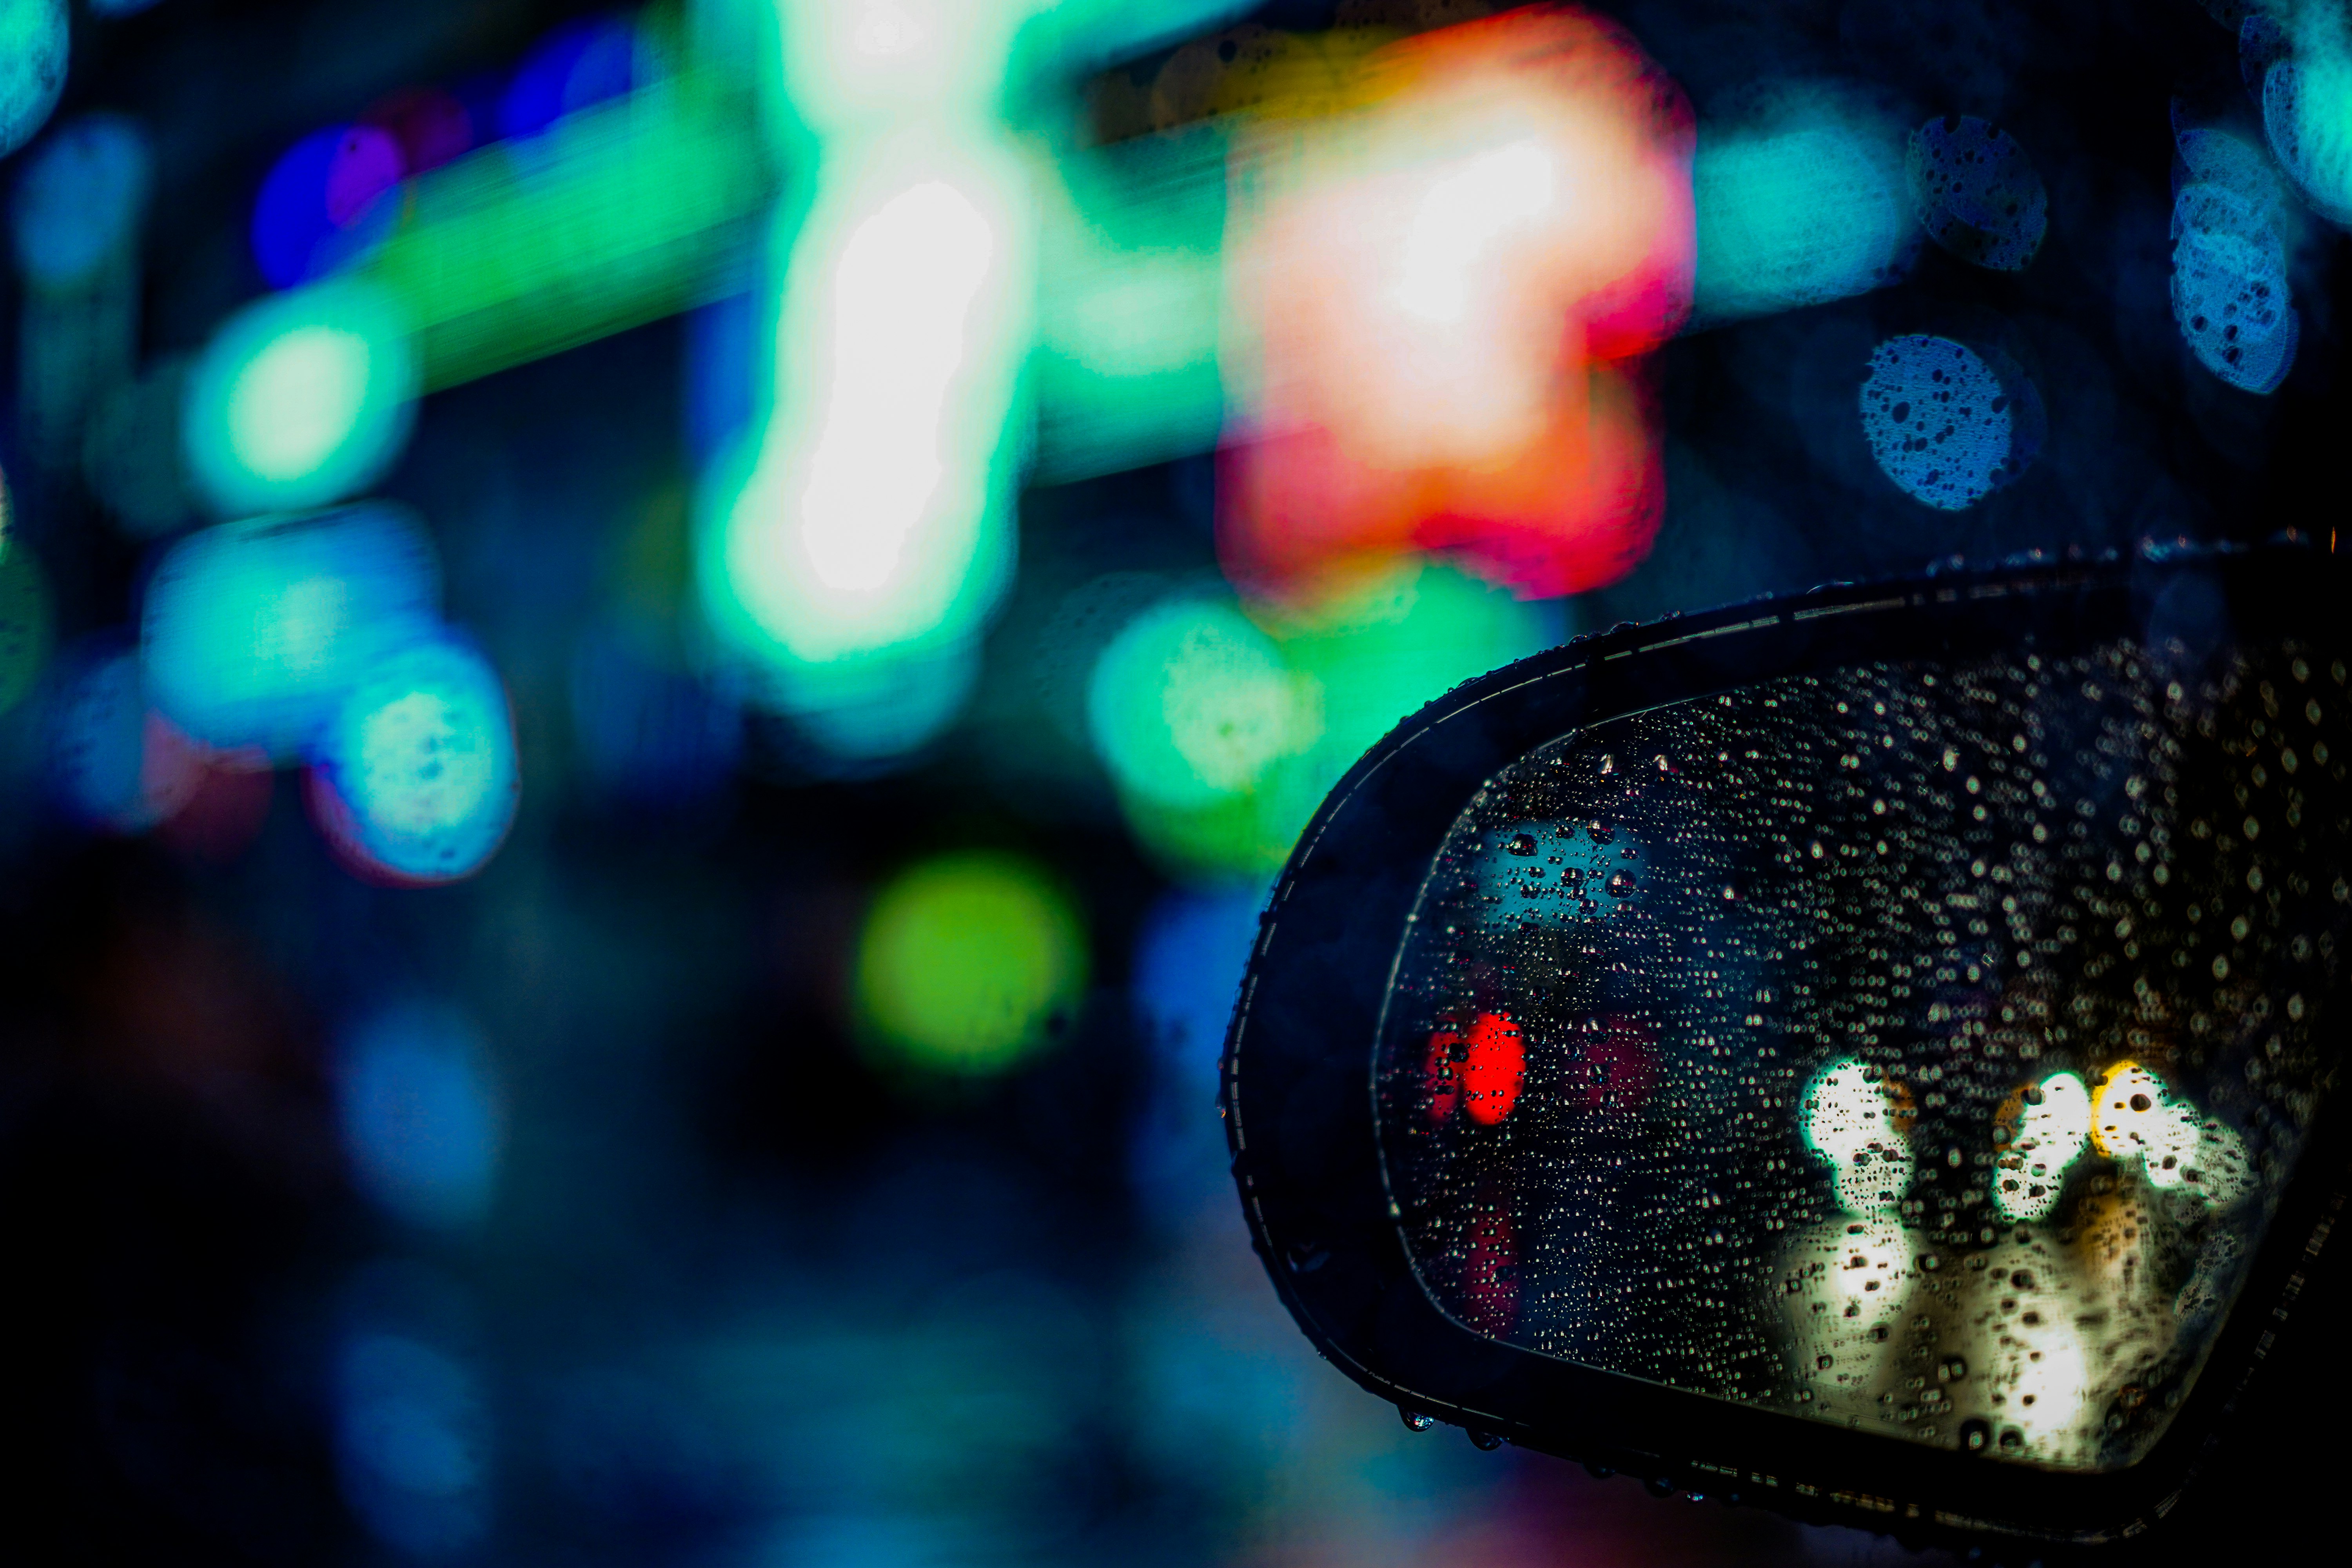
[{"x": 617, "y": 216}]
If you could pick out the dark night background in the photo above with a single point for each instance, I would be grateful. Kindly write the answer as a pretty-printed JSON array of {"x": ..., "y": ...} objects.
[{"x": 741, "y": 1295}]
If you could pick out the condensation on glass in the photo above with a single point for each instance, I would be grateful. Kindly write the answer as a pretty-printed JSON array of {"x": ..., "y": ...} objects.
[{"x": 1917, "y": 1048}]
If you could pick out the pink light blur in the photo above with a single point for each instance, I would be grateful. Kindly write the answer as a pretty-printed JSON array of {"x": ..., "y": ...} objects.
[{"x": 1450, "y": 295}]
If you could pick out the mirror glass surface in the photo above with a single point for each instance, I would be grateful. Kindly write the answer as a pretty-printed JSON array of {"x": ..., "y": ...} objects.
[{"x": 1920, "y": 1048}]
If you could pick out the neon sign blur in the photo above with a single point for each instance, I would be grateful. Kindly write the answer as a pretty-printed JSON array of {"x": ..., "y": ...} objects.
[
  {"x": 1446, "y": 307},
  {"x": 864, "y": 522},
  {"x": 1424, "y": 274}
]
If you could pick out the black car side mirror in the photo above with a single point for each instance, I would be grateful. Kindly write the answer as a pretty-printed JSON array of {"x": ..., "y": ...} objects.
[{"x": 1872, "y": 1052}]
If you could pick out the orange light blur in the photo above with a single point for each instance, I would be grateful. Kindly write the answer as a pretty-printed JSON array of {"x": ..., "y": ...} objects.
[
  {"x": 2116, "y": 1122},
  {"x": 1442, "y": 301}
]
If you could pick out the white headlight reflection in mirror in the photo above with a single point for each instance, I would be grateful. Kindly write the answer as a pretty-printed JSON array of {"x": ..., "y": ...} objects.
[
  {"x": 1930, "y": 1071},
  {"x": 1860, "y": 1124},
  {"x": 2037, "y": 1138}
]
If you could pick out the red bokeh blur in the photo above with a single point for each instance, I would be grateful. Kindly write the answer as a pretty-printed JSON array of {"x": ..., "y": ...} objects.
[{"x": 1493, "y": 1068}]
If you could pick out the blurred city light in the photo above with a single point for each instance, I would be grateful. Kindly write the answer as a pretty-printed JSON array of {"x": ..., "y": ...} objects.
[
  {"x": 1557, "y": 873},
  {"x": 321, "y": 205},
  {"x": 1803, "y": 205},
  {"x": 115, "y": 762},
  {"x": 1192, "y": 704},
  {"x": 76, "y": 220},
  {"x": 613, "y": 214},
  {"x": 1854, "y": 1122},
  {"x": 1133, "y": 280},
  {"x": 1446, "y": 307},
  {"x": 967, "y": 963},
  {"x": 2138, "y": 1121},
  {"x": 412, "y": 1442},
  {"x": 615, "y": 210},
  {"x": 873, "y": 524},
  {"x": 35, "y": 36},
  {"x": 1480, "y": 1069},
  {"x": 421, "y": 1121},
  {"x": 1223, "y": 725},
  {"x": 301, "y": 399},
  {"x": 1943, "y": 422},
  {"x": 856, "y": 718},
  {"x": 853, "y": 67},
  {"x": 78, "y": 200},
  {"x": 1103, "y": 424},
  {"x": 414, "y": 778},
  {"x": 254, "y": 633},
  {"x": 579, "y": 64},
  {"x": 2306, "y": 102},
  {"x": 2230, "y": 295},
  {"x": 861, "y": 532},
  {"x": 874, "y": 520}
]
